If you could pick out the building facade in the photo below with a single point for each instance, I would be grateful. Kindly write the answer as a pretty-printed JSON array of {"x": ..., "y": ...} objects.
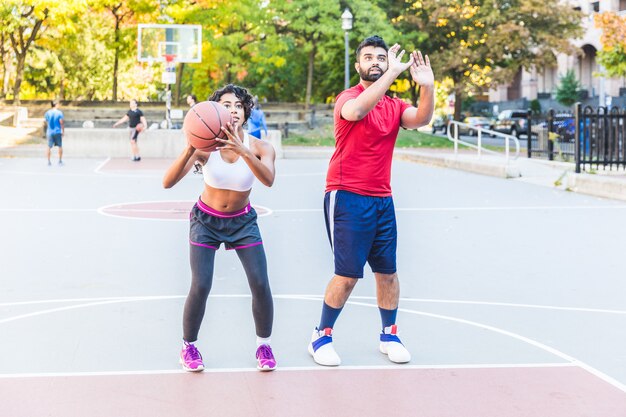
[{"x": 542, "y": 83}]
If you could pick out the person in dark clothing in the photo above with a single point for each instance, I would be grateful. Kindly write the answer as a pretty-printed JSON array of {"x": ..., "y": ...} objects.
[{"x": 137, "y": 123}]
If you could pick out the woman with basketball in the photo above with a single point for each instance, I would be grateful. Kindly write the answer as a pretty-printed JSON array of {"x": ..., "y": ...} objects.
[{"x": 223, "y": 215}]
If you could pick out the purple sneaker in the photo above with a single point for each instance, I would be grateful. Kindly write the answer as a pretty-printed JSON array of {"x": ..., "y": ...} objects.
[
  {"x": 265, "y": 358},
  {"x": 190, "y": 358}
]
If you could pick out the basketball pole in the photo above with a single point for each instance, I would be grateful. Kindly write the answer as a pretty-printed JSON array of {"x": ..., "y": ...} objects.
[{"x": 169, "y": 77}]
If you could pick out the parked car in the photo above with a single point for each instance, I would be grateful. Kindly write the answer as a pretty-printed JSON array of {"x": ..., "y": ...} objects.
[
  {"x": 512, "y": 122},
  {"x": 441, "y": 123},
  {"x": 475, "y": 121}
]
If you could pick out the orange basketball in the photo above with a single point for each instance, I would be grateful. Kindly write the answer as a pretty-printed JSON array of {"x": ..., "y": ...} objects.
[{"x": 203, "y": 123}]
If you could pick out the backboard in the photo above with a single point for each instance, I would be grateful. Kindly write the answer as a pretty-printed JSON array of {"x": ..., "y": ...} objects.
[{"x": 154, "y": 41}]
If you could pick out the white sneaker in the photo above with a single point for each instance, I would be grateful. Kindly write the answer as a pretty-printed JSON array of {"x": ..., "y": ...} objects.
[
  {"x": 321, "y": 348},
  {"x": 391, "y": 345}
]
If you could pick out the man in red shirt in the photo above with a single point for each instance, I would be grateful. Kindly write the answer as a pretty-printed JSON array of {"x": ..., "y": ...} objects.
[{"x": 358, "y": 207}]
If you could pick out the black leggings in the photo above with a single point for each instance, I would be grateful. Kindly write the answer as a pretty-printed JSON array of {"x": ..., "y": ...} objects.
[{"x": 255, "y": 265}]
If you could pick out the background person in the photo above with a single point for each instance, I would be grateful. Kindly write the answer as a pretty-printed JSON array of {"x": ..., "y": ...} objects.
[
  {"x": 223, "y": 214},
  {"x": 257, "y": 121},
  {"x": 55, "y": 130},
  {"x": 137, "y": 123},
  {"x": 358, "y": 206}
]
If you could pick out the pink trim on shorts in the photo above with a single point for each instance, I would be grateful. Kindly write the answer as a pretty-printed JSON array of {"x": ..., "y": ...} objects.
[
  {"x": 208, "y": 210},
  {"x": 246, "y": 246},
  {"x": 202, "y": 245}
]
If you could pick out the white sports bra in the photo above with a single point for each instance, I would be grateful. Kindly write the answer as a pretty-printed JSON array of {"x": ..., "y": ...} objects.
[{"x": 235, "y": 176}]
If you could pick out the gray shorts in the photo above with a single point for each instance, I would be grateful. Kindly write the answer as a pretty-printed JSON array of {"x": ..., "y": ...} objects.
[{"x": 209, "y": 228}]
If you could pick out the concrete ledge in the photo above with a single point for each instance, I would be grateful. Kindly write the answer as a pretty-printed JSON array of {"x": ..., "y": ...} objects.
[
  {"x": 494, "y": 168},
  {"x": 114, "y": 143},
  {"x": 597, "y": 185}
]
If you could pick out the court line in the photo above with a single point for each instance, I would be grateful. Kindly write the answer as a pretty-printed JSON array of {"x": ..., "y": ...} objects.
[
  {"x": 111, "y": 210},
  {"x": 539, "y": 345},
  {"x": 99, "y": 167},
  {"x": 296, "y": 296},
  {"x": 316, "y": 210},
  {"x": 606, "y": 378},
  {"x": 296, "y": 369}
]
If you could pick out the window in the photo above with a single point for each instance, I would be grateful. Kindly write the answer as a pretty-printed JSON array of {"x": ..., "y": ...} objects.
[{"x": 595, "y": 6}]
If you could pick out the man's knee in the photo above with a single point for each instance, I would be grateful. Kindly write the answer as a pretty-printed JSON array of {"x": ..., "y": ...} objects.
[
  {"x": 346, "y": 284},
  {"x": 387, "y": 279}
]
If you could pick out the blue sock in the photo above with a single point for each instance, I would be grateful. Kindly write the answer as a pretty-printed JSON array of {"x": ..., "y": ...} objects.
[
  {"x": 388, "y": 317},
  {"x": 329, "y": 316}
]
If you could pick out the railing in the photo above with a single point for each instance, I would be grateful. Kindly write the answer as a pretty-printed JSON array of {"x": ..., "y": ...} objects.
[
  {"x": 600, "y": 138},
  {"x": 453, "y": 135}
]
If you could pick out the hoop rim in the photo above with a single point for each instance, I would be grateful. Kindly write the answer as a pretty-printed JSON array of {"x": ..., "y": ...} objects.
[{"x": 169, "y": 57}]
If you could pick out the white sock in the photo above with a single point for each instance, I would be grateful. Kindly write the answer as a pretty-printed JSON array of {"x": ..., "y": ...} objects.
[
  {"x": 263, "y": 341},
  {"x": 195, "y": 343}
]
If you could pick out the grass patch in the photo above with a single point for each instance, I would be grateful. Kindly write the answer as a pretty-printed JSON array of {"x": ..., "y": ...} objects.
[{"x": 324, "y": 136}]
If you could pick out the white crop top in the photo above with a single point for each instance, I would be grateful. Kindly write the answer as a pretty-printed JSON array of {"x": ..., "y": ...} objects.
[{"x": 235, "y": 176}]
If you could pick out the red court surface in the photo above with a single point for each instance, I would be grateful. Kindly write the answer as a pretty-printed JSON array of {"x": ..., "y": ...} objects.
[{"x": 561, "y": 391}]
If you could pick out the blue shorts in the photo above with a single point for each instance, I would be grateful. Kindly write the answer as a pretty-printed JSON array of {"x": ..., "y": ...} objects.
[
  {"x": 361, "y": 229},
  {"x": 210, "y": 228},
  {"x": 56, "y": 139}
]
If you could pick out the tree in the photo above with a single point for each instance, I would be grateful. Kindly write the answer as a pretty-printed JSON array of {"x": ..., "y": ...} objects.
[
  {"x": 124, "y": 13},
  {"x": 482, "y": 43},
  {"x": 310, "y": 25},
  {"x": 568, "y": 91},
  {"x": 613, "y": 54},
  {"x": 25, "y": 21}
]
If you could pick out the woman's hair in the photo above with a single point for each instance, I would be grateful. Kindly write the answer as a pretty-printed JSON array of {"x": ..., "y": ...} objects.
[{"x": 241, "y": 93}]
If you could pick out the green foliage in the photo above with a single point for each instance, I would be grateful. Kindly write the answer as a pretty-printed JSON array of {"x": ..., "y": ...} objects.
[
  {"x": 568, "y": 90},
  {"x": 482, "y": 43},
  {"x": 613, "y": 61},
  {"x": 535, "y": 106},
  {"x": 406, "y": 139}
]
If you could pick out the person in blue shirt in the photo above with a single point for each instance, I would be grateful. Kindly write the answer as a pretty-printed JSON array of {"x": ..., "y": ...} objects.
[
  {"x": 256, "y": 122},
  {"x": 55, "y": 130}
]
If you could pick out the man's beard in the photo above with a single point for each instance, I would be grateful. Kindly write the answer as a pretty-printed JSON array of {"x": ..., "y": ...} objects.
[{"x": 365, "y": 76}]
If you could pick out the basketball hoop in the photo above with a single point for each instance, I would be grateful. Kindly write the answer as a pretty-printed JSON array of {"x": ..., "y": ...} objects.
[{"x": 169, "y": 57}]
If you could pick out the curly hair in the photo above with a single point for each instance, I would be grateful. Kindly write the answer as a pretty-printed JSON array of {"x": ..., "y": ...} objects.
[{"x": 241, "y": 93}]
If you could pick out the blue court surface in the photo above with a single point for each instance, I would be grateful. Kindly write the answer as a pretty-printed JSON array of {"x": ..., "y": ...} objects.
[{"x": 512, "y": 299}]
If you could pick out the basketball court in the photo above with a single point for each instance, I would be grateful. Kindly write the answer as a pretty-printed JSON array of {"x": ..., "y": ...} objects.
[{"x": 512, "y": 299}]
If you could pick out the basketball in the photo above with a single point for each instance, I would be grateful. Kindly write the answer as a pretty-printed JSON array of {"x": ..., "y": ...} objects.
[
  {"x": 203, "y": 123},
  {"x": 140, "y": 127}
]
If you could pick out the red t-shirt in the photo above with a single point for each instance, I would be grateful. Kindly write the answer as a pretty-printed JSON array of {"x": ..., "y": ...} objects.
[{"x": 361, "y": 162}]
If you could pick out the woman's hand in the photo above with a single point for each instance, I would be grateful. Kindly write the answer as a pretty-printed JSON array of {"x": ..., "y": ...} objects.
[{"x": 232, "y": 141}]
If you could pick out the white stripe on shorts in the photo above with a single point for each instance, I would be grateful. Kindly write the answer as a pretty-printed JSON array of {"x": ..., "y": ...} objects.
[{"x": 331, "y": 217}]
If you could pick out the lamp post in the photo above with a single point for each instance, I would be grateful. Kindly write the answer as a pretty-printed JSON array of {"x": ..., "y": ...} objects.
[{"x": 346, "y": 25}]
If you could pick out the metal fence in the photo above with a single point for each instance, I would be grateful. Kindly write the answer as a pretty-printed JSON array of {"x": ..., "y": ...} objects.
[
  {"x": 551, "y": 135},
  {"x": 593, "y": 138},
  {"x": 600, "y": 134}
]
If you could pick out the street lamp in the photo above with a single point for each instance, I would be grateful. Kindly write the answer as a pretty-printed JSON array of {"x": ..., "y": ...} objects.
[{"x": 346, "y": 25}]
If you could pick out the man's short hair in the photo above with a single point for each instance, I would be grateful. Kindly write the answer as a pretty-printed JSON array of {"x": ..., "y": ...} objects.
[
  {"x": 54, "y": 102},
  {"x": 193, "y": 97},
  {"x": 375, "y": 41}
]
